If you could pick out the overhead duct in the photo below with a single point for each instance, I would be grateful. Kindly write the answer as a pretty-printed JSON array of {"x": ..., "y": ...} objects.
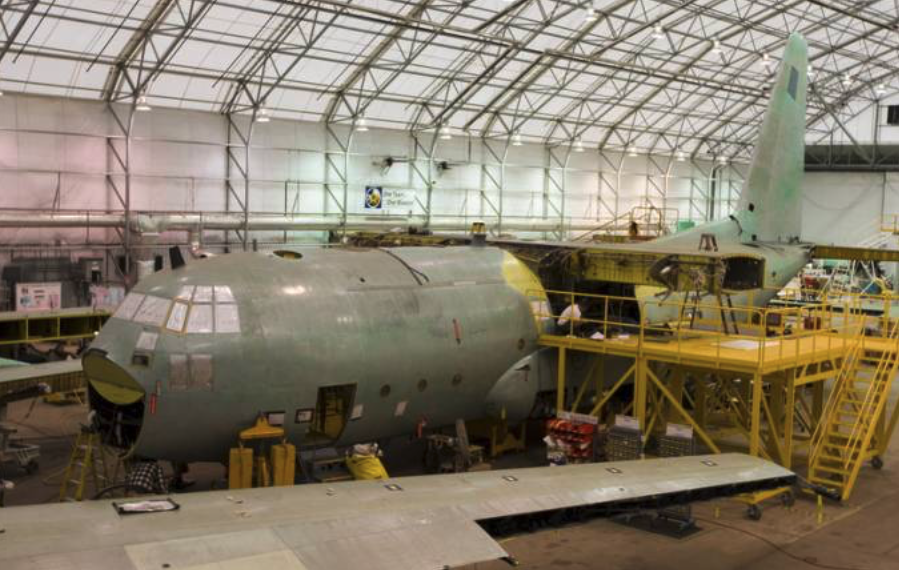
[{"x": 187, "y": 221}]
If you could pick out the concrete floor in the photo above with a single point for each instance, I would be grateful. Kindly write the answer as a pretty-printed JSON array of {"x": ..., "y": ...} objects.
[{"x": 859, "y": 535}]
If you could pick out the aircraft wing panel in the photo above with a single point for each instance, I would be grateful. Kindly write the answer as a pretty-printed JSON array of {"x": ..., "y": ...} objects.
[
  {"x": 60, "y": 376},
  {"x": 426, "y": 522}
]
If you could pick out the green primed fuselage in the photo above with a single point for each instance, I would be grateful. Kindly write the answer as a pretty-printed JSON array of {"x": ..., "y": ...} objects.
[{"x": 420, "y": 335}]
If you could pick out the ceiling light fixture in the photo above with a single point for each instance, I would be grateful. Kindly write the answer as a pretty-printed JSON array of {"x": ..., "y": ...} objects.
[
  {"x": 361, "y": 125},
  {"x": 880, "y": 89},
  {"x": 811, "y": 72},
  {"x": 658, "y": 32},
  {"x": 445, "y": 133},
  {"x": 716, "y": 46},
  {"x": 680, "y": 157},
  {"x": 577, "y": 145},
  {"x": 142, "y": 105},
  {"x": 590, "y": 14},
  {"x": 847, "y": 80},
  {"x": 766, "y": 60},
  {"x": 722, "y": 160},
  {"x": 632, "y": 151},
  {"x": 263, "y": 115},
  {"x": 516, "y": 139}
]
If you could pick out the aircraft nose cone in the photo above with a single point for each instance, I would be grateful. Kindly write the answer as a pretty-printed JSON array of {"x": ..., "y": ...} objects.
[{"x": 110, "y": 380}]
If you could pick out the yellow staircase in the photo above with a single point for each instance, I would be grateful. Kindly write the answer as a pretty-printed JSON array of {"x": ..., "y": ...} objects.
[
  {"x": 852, "y": 429},
  {"x": 87, "y": 459}
]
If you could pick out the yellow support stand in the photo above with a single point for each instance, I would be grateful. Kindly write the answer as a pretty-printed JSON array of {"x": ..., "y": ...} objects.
[
  {"x": 754, "y": 500},
  {"x": 245, "y": 467},
  {"x": 240, "y": 468}
]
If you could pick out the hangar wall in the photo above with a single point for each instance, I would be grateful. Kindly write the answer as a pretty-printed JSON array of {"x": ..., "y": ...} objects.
[{"x": 62, "y": 154}]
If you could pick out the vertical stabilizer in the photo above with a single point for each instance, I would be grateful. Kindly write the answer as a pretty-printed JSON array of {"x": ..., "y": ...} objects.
[{"x": 770, "y": 205}]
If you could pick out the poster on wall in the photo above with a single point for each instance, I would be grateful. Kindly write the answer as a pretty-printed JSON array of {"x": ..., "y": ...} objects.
[
  {"x": 387, "y": 199},
  {"x": 107, "y": 297},
  {"x": 38, "y": 296}
]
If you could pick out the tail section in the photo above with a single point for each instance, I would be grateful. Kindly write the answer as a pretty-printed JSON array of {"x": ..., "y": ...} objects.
[{"x": 770, "y": 205}]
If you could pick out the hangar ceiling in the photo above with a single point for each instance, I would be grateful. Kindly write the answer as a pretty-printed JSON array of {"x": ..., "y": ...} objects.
[{"x": 662, "y": 76}]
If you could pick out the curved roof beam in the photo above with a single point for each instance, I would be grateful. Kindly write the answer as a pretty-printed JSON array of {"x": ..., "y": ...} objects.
[
  {"x": 10, "y": 31},
  {"x": 761, "y": 17},
  {"x": 534, "y": 72},
  {"x": 140, "y": 45},
  {"x": 586, "y": 94},
  {"x": 377, "y": 53},
  {"x": 252, "y": 72},
  {"x": 715, "y": 126},
  {"x": 500, "y": 60}
]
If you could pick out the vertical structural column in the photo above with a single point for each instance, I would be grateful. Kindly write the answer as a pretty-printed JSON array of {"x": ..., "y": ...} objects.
[
  {"x": 609, "y": 180},
  {"x": 337, "y": 167},
  {"x": 755, "y": 420},
  {"x": 121, "y": 167},
  {"x": 422, "y": 152},
  {"x": 238, "y": 150},
  {"x": 657, "y": 182},
  {"x": 699, "y": 198},
  {"x": 557, "y": 158},
  {"x": 493, "y": 180},
  {"x": 560, "y": 381}
]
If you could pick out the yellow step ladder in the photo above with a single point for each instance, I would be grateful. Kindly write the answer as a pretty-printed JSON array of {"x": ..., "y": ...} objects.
[
  {"x": 853, "y": 427},
  {"x": 87, "y": 456}
]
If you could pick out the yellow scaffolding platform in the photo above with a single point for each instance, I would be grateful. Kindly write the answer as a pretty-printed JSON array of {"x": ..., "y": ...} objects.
[
  {"x": 48, "y": 326},
  {"x": 731, "y": 373}
]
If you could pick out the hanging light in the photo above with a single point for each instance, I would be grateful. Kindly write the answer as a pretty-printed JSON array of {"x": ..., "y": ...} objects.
[
  {"x": 680, "y": 157},
  {"x": 361, "y": 125},
  {"x": 263, "y": 115},
  {"x": 847, "y": 80},
  {"x": 722, "y": 160},
  {"x": 632, "y": 151},
  {"x": 577, "y": 145},
  {"x": 444, "y": 133},
  {"x": 516, "y": 139},
  {"x": 811, "y": 72},
  {"x": 880, "y": 89},
  {"x": 658, "y": 32},
  {"x": 766, "y": 61},
  {"x": 590, "y": 14},
  {"x": 716, "y": 46},
  {"x": 142, "y": 105}
]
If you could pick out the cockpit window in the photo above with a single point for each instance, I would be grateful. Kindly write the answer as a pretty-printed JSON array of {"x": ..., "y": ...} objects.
[
  {"x": 203, "y": 294},
  {"x": 200, "y": 319},
  {"x": 223, "y": 294},
  {"x": 147, "y": 341},
  {"x": 198, "y": 309},
  {"x": 177, "y": 317},
  {"x": 226, "y": 319},
  {"x": 186, "y": 293},
  {"x": 153, "y": 311},
  {"x": 129, "y": 306}
]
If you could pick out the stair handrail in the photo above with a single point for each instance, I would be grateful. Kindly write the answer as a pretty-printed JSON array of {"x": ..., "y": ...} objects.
[
  {"x": 819, "y": 435},
  {"x": 869, "y": 408},
  {"x": 849, "y": 363}
]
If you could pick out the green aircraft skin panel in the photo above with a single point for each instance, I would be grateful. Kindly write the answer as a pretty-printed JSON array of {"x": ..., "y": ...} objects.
[
  {"x": 424, "y": 334},
  {"x": 767, "y": 221}
]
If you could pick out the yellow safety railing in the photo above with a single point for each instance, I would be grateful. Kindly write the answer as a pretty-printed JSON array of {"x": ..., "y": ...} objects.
[
  {"x": 779, "y": 333},
  {"x": 850, "y": 362},
  {"x": 874, "y": 397},
  {"x": 890, "y": 223}
]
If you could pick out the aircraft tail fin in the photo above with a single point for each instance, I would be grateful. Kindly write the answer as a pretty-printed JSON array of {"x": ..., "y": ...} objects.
[{"x": 770, "y": 205}]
